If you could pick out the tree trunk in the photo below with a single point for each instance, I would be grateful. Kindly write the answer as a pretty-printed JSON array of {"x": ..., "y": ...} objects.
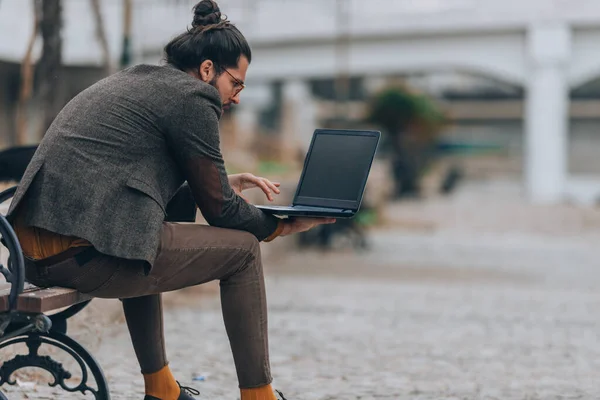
[
  {"x": 101, "y": 36},
  {"x": 342, "y": 57},
  {"x": 50, "y": 62},
  {"x": 27, "y": 79},
  {"x": 127, "y": 19}
]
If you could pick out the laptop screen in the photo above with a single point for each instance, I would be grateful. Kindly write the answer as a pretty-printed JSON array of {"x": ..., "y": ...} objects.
[{"x": 337, "y": 168}]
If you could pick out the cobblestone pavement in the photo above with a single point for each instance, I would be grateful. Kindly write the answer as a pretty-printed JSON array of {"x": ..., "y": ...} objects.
[{"x": 422, "y": 315}]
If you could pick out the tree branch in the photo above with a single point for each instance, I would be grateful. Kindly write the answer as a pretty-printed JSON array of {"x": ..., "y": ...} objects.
[
  {"x": 27, "y": 78},
  {"x": 101, "y": 35},
  {"x": 51, "y": 61}
]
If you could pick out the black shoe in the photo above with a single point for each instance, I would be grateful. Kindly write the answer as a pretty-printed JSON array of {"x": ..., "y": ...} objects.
[
  {"x": 281, "y": 396},
  {"x": 186, "y": 394}
]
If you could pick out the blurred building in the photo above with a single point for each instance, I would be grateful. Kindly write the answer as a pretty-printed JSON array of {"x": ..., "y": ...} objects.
[{"x": 521, "y": 73}]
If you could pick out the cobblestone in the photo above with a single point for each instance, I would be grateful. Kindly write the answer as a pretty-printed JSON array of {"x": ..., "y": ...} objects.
[{"x": 481, "y": 315}]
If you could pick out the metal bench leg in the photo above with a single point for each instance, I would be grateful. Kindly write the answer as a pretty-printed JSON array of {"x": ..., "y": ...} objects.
[{"x": 86, "y": 361}]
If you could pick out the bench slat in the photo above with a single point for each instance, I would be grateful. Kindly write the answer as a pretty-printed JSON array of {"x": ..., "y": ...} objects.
[{"x": 37, "y": 300}]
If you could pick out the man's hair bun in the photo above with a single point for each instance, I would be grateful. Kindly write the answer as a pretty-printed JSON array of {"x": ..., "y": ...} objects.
[{"x": 206, "y": 13}]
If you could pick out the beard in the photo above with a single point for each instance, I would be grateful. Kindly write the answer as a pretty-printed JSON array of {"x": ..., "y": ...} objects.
[{"x": 213, "y": 83}]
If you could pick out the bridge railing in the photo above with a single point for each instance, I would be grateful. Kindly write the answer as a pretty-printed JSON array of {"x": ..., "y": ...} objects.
[{"x": 265, "y": 21}]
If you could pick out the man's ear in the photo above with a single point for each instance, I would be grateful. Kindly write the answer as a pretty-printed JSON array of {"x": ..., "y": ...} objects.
[{"x": 206, "y": 71}]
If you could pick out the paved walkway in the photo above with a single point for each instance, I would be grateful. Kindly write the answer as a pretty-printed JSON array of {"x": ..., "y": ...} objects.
[{"x": 445, "y": 311}]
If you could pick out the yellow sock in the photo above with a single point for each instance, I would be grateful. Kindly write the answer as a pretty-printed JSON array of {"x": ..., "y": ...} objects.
[
  {"x": 261, "y": 393},
  {"x": 162, "y": 384}
]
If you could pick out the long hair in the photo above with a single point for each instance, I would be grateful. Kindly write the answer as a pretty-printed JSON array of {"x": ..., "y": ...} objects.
[{"x": 211, "y": 37}]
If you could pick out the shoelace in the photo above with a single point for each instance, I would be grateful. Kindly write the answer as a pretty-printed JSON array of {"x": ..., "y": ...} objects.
[
  {"x": 189, "y": 390},
  {"x": 281, "y": 394}
]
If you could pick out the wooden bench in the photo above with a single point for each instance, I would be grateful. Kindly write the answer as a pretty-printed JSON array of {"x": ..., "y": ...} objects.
[
  {"x": 39, "y": 300},
  {"x": 26, "y": 318}
]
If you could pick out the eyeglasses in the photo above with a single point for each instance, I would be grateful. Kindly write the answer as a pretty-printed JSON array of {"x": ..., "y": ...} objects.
[{"x": 239, "y": 84}]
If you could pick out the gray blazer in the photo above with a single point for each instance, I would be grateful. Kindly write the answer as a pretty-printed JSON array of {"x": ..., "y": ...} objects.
[{"x": 119, "y": 151}]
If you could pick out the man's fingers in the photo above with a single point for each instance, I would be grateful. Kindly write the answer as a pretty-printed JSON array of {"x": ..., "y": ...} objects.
[
  {"x": 312, "y": 222},
  {"x": 268, "y": 187},
  {"x": 272, "y": 185},
  {"x": 264, "y": 184},
  {"x": 324, "y": 221},
  {"x": 265, "y": 188}
]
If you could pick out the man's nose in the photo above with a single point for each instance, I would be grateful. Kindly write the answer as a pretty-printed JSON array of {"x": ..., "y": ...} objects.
[{"x": 236, "y": 99}]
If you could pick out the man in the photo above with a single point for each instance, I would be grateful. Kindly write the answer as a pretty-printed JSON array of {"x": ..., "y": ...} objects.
[{"x": 90, "y": 209}]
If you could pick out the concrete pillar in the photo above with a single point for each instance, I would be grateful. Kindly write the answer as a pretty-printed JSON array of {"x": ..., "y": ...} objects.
[
  {"x": 546, "y": 124},
  {"x": 374, "y": 84},
  {"x": 299, "y": 115}
]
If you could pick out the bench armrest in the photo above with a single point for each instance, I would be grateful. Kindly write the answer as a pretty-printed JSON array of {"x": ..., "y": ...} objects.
[{"x": 14, "y": 271}]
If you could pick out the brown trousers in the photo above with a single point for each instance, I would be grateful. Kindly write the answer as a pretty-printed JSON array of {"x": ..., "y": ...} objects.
[{"x": 189, "y": 255}]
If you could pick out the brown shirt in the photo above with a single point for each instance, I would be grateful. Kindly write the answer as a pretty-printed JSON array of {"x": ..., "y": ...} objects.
[{"x": 38, "y": 243}]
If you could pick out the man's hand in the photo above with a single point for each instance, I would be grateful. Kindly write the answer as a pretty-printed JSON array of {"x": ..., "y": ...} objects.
[
  {"x": 241, "y": 182},
  {"x": 302, "y": 224}
]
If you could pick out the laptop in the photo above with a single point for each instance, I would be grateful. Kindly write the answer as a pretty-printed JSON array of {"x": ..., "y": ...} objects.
[{"x": 334, "y": 175}]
